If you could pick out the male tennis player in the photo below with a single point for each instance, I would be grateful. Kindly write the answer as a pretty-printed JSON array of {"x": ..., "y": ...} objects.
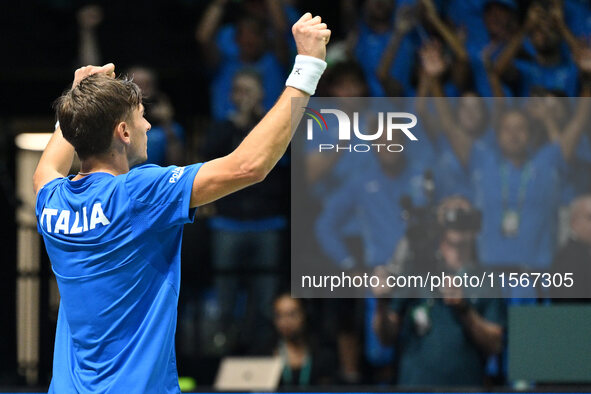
[{"x": 114, "y": 234}]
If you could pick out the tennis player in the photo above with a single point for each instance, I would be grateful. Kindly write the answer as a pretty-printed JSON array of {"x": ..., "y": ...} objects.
[{"x": 114, "y": 234}]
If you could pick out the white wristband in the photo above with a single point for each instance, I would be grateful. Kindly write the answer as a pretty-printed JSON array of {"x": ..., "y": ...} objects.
[{"x": 306, "y": 73}]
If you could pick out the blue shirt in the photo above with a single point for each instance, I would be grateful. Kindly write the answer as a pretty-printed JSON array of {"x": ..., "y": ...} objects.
[
  {"x": 114, "y": 243},
  {"x": 563, "y": 77},
  {"x": 268, "y": 67},
  {"x": 451, "y": 177},
  {"x": 373, "y": 198},
  {"x": 369, "y": 50},
  {"x": 533, "y": 245}
]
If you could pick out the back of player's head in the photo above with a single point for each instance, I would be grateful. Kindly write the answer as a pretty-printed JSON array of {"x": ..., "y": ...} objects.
[{"x": 89, "y": 112}]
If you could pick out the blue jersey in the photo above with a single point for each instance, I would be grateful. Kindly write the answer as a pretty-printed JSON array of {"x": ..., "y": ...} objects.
[{"x": 114, "y": 243}]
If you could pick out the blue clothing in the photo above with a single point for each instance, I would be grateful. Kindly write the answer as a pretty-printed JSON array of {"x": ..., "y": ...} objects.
[
  {"x": 114, "y": 243},
  {"x": 577, "y": 14},
  {"x": 451, "y": 177},
  {"x": 563, "y": 77},
  {"x": 369, "y": 50},
  {"x": 578, "y": 175},
  {"x": 477, "y": 56},
  {"x": 158, "y": 143},
  {"x": 373, "y": 198},
  {"x": 444, "y": 355},
  {"x": 268, "y": 66},
  {"x": 535, "y": 240},
  {"x": 241, "y": 226},
  {"x": 468, "y": 16}
]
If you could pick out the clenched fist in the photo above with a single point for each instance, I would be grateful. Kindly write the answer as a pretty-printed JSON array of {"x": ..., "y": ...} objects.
[{"x": 311, "y": 36}]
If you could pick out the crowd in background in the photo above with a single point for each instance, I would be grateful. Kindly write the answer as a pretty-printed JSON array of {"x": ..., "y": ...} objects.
[{"x": 527, "y": 172}]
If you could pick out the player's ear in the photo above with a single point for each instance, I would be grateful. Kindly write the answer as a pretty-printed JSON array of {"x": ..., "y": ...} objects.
[{"x": 122, "y": 133}]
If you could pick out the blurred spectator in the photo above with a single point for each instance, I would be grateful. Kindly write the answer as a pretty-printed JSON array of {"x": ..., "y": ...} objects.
[
  {"x": 373, "y": 197},
  {"x": 373, "y": 29},
  {"x": 444, "y": 341},
  {"x": 433, "y": 32},
  {"x": 470, "y": 114},
  {"x": 500, "y": 21},
  {"x": 307, "y": 361},
  {"x": 575, "y": 256},
  {"x": 577, "y": 14},
  {"x": 247, "y": 230},
  {"x": 548, "y": 66},
  {"x": 89, "y": 18},
  {"x": 517, "y": 187},
  {"x": 327, "y": 171},
  {"x": 244, "y": 44},
  {"x": 552, "y": 114},
  {"x": 370, "y": 200},
  {"x": 166, "y": 137}
]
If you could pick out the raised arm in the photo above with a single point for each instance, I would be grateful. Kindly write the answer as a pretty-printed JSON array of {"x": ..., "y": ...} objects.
[
  {"x": 206, "y": 29},
  {"x": 254, "y": 158},
  {"x": 89, "y": 18},
  {"x": 568, "y": 137},
  {"x": 449, "y": 36},
  {"x": 433, "y": 68},
  {"x": 460, "y": 71},
  {"x": 386, "y": 323},
  {"x": 405, "y": 21},
  {"x": 580, "y": 121},
  {"x": 280, "y": 28},
  {"x": 58, "y": 155},
  {"x": 535, "y": 14},
  {"x": 557, "y": 17},
  {"x": 488, "y": 336}
]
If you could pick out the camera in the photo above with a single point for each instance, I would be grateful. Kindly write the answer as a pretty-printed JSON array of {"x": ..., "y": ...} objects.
[{"x": 462, "y": 220}]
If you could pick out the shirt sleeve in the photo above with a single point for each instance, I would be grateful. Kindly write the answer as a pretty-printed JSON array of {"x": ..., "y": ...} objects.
[
  {"x": 41, "y": 198},
  {"x": 160, "y": 196},
  {"x": 550, "y": 156}
]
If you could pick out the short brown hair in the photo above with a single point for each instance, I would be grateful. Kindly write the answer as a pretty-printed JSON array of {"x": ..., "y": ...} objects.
[{"x": 89, "y": 112}]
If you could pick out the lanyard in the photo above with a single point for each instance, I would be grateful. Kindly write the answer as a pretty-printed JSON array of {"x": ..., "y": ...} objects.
[
  {"x": 305, "y": 371},
  {"x": 523, "y": 181}
]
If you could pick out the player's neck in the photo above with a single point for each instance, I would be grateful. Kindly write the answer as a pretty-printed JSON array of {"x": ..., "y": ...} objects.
[{"x": 110, "y": 163}]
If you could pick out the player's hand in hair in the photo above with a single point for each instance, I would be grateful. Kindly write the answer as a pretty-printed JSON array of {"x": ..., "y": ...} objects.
[{"x": 83, "y": 72}]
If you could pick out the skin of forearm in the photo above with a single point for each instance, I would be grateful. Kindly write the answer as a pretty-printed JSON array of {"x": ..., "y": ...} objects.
[
  {"x": 389, "y": 54},
  {"x": 59, "y": 153},
  {"x": 506, "y": 57},
  {"x": 423, "y": 90},
  {"x": 569, "y": 138},
  {"x": 460, "y": 142},
  {"x": 89, "y": 51},
  {"x": 210, "y": 22},
  {"x": 267, "y": 142},
  {"x": 451, "y": 39},
  {"x": 486, "y": 335},
  {"x": 57, "y": 156},
  {"x": 386, "y": 324},
  {"x": 569, "y": 37}
]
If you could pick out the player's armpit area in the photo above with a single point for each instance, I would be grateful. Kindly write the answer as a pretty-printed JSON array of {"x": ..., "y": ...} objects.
[{"x": 220, "y": 177}]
